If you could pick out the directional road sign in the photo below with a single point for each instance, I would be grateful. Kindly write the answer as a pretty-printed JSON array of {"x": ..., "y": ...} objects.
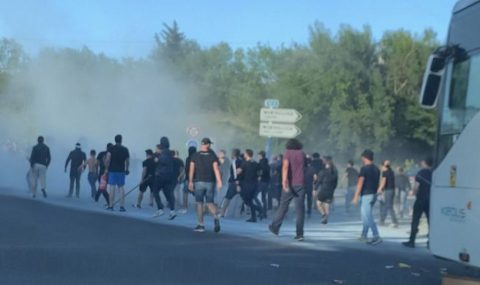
[
  {"x": 279, "y": 130},
  {"x": 280, "y": 115}
]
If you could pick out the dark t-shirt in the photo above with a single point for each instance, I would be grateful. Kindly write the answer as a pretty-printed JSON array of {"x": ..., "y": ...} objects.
[
  {"x": 119, "y": 154},
  {"x": 402, "y": 182},
  {"x": 265, "y": 168},
  {"x": 352, "y": 176},
  {"x": 390, "y": 179},
  {"x": 177, "y": 166},
  {"x": 150, "y": 165},
  {"x": 75, "y": 158},
  {"x": 309, "y": 177},
  {"x": 250, "y": 170},
  {"x": 424, "y": 179},
  {"x": 101, "y": 162},
  {"x": 371, "y": 174},
  {"x": 203, "y": 161},
  {"x": 296, "y": 159}
]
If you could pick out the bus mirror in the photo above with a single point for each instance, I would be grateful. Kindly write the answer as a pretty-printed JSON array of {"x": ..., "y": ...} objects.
[{"x": 432, "y": 81}]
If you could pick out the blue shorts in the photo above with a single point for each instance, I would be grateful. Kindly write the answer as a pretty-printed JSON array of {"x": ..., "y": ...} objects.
[
  {"x": 204, "y": 192},
  {"x": 116, "y": 178}
]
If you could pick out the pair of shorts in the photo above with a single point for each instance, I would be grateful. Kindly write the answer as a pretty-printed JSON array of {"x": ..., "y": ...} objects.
[
  {"x": 325, "y": 197},
  {"x": 147, "y": 184},
  {"x": 232, "y": 190},
  {"x": 204, "y": 192},
  {"x": 116, "y": 179}
]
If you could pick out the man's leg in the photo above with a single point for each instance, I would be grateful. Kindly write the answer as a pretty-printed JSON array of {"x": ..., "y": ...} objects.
[
  {"x": 383, "y": 211},
  {"x": 300, "y": 209},
  {"x": 111, "y": 194},
  {"x": 91, "y": 181},
  {"x": 72, "y": 182},
  {"x": 364, "y": 213},
  {"x": 231, "y": 192},
  {"x": 371, "y": 220},
  {"x": 156, "y": 195},
  {"x": 77, "y": 183},
  {"x": 106, "y": 196},
  {"x": 121, "y": 189},
  {"x": 285, "y": 199},
  {"x": 389, "y": 199},
  {"x": 417, "y": 214}
]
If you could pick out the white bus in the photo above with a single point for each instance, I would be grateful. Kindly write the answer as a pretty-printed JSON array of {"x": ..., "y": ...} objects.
[{"x": 452, "y": 85}]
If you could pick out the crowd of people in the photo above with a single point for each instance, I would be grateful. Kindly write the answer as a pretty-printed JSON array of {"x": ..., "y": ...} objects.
[{"x": 309, "y": 181}]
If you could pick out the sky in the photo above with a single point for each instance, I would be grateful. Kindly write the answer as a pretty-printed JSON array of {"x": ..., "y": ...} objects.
[{"x": 126, "y": 28}]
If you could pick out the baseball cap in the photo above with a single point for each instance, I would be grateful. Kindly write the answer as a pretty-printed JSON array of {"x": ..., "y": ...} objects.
[
  {"x": 149, "y": 152},
  {"x": 206, "y": 141}
]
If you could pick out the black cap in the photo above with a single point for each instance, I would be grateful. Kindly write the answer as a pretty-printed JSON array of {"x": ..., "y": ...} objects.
[
  {"x": 149, "y": 152},
  {"x": 368, "y": 154},
  {"x": 206, "y": 141}
]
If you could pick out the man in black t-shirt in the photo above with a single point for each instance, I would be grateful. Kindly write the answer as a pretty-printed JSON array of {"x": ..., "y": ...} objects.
[
  {"x": 117, "y": 162},
  {"x": 148, "y": 177},
  {"x": 367, "y": 187},
  {"x": 248, "y": 177},
  {"x": 76, "y": 159},
  {"x": 263, "y": 185},
  {"x": 423, "y": 184},
  {"x": 387, "y": 189},
  {"x": 204, "y": 175},
  {"x": 351, "y": 175},
  {"x": 233, "y": 183},
  {"x": 191, "y": 152}
]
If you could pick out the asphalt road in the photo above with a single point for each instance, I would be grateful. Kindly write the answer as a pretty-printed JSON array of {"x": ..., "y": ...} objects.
[{"x": 45, "y": 244}]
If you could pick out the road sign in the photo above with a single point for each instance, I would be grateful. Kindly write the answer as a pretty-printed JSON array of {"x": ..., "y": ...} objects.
[
  {"x": 193, "y": 132},
  {"x": 271, "y": 103},
  {"x": 280, "y": 115},
  {"x": 279, "y": 130}
]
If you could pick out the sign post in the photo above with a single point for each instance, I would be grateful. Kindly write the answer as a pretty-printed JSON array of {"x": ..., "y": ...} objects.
[{"x": 270, "y": 104}]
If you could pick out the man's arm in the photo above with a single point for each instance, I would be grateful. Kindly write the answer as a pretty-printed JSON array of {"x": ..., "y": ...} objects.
[
  {"x": 106, "y": 161},
  {"x": 127, "y": 165},
  {"x": 415, "y": 188},
  {"x": 285, "y": 166},
  {"x": 383, "y": 182},
  {"x": 32, "y": 162},
  {"x": 190, "y": 176},
  {"x": 49, "y": 158},
  {"x": 68, "y": 161},
  {"x": 360, "y": 182},
  {"x": 218, "y": 176}
]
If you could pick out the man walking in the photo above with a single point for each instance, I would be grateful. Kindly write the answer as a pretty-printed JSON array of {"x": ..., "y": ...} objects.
[
  {"x": 77, "y": 159},
  {"x": 367, "y": 187},
  {"x": 233, "y": 183},
  {"x": 92, "y": 164},
  {"x": 423, "y": 183},
  {"x": 117, "y": 163},
  {"x": 204, "y": 173},
  {"x": 191, "y": 152},
  {"x": 248, "y": 177},
  {"x": 148, "y": 177},
  {"x": 387, "y": 189},
  {"x": 402, "y": 183},
  {"x": 263, "y": 185},
  {"x": 327, "y": 183},
  {"x": 165, "y": 178},
  {"x": 39, "y": 161},
  {"x": 351, "y": 175},
  {"x": 293, "y": 188}
]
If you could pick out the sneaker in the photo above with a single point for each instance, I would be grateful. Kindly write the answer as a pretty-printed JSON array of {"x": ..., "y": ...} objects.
[
  {"x": 216, "y": 228},
  {"x": 158, "y": 213},
  {"x": 136, "y": 206},
  {"x": 183, "y": 211},
  {"x": 172, "y": 215},
  {"x": 363, "y": 239},
  {"x": 44, "y": 193},
  {"x": 375, "y": 241},
  {"x": 122, "y": 209},
  {"x": 199, "y": 229},
  {"x": 408, "y": 244},
  {"x": 299, "y": 238},
  {"x": 272, "y": 230},
  {"x": 325, "y": 220}
]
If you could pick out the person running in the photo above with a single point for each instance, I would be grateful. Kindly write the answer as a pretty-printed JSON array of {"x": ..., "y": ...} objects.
[
  {"x": 191, "y": 151},
  {"x": 101, "y": 157},
  {"x": 225, "y": 166},
  {"x": 148, "y": 177},
  {"x": 76, "y": 159},
  {"x": 204, "y": 173},
  {"x": 179, "y": 173},
  {"x": 165, "y": 179},
  {"x": 403, "y": 186},
  {"x": 248, "y": 177},
  {"x": 117, "y": 163},
  {"x": 387, "y": 190},
  {"x": 293, "y": 188},
  {"x": 39, "y": 161},
  {"x": 367, "y": 186},
  {"x": 351, "y": 176},
  {"x": 263, "y": 184},
  {"x": 327, "y": 181},
  {"x": 233, "y": 183},
  {"x": 92, "y": 164},
  {"x": 421, "y": 189}
]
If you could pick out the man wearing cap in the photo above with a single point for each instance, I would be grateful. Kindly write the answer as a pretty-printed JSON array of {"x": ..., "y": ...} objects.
[
  {"x": 367, "y": 187},
  {"x": 204, "y": 175},
  {"x": 39, "y": 161},
  {"x": 77, "y": 159}
]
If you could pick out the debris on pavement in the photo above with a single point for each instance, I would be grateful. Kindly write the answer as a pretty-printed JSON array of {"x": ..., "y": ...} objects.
[
  {"x": 389, "y": 266},
  {"x": 275, "y": 265},
  {"x": 336, "y": 281},
  {"x": 404, "y": 265},
  {"x": 416, "y": 274}
]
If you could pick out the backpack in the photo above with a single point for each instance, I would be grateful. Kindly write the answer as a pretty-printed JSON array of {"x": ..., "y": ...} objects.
[{"x": 165, "y": 166}]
